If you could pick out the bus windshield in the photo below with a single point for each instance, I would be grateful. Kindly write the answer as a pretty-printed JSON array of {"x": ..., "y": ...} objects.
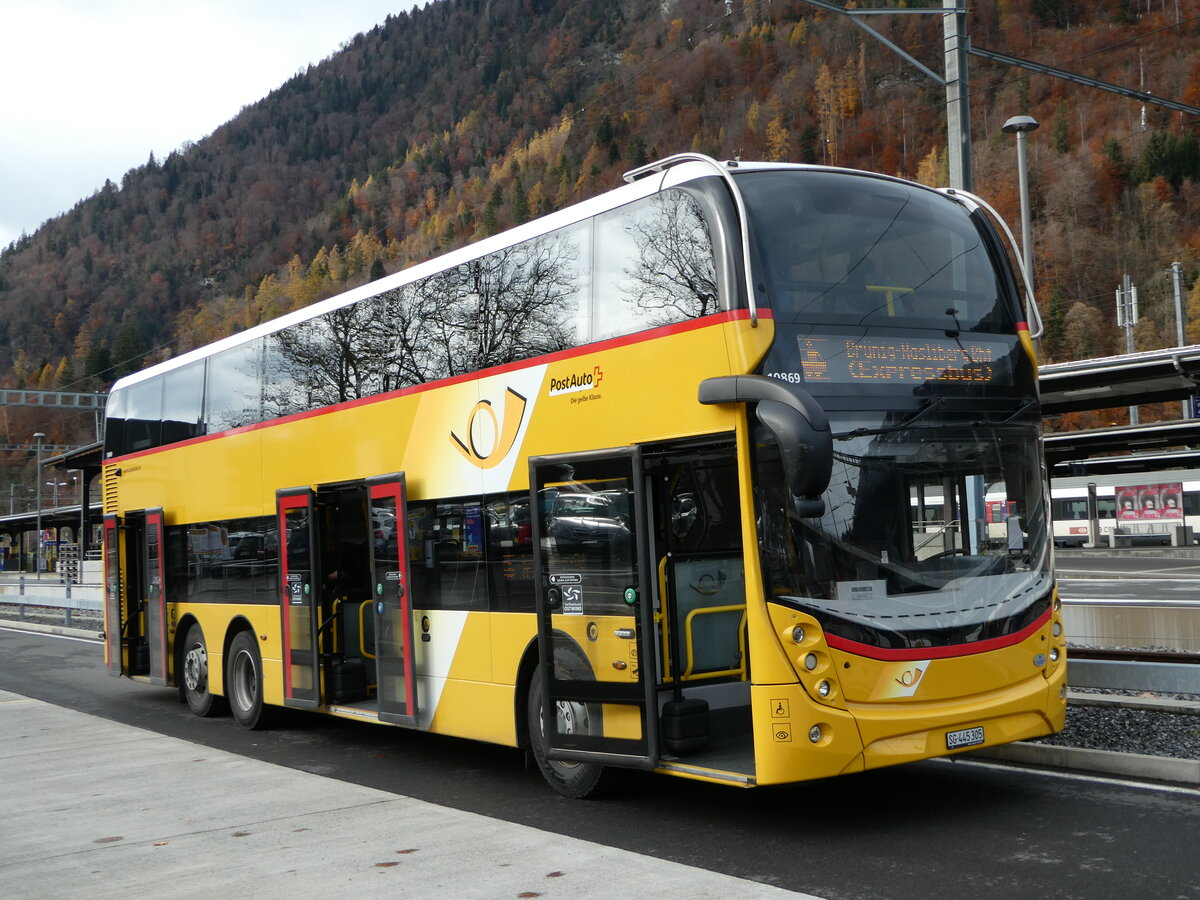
[
  {"x": 851, "y": 250},
  {"x": 934, "y": 532},
  {"x": 892, "y": 313}
]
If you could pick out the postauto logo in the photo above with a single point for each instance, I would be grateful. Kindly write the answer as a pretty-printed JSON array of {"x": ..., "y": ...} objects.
[
  {"x": 488, "y": 440},
  {"x": 575, "y": 382}
]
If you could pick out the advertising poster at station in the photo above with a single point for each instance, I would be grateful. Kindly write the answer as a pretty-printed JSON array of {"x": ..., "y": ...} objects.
[{"x": 1150, "y": 502}]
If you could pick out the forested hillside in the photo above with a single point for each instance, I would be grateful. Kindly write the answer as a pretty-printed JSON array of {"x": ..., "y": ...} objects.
[{"x": 465, "y": 117}]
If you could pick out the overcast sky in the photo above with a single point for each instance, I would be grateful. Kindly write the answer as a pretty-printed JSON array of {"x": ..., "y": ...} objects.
[{"x": 88, "y": 88}]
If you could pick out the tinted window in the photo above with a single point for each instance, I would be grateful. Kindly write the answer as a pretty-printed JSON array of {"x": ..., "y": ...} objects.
[
  {"x": 232, "y": 561},
  {"x": 654, "y": 265},
  {"x": 851, "y": 250},
  {"x": 450, "y": 570},
  {"x": 510, "y": 552},
  {"x": 183, "y": 403},
  {"x": 234, "y": 388},
  {"x": 143, "y": 413}
]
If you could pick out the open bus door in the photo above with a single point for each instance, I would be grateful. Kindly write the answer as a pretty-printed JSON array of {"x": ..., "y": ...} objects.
[
  {"x": 594, "y": 609},
  {"x": 136, "y": 604},
  {"x": 397, "y": 687},
  {"x": 114, "y": 618},
  {"x": 299, "y": 595}
]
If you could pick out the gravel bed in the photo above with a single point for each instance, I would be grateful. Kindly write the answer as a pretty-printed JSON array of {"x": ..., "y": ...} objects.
[
  {"x": 83, "y": 619},
  {"x": 1123, "y": 730}
]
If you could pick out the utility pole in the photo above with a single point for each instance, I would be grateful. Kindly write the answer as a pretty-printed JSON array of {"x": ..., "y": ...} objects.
[
  {"x": 1127, "y": 317},
  {"x": 958, "y": 107},
  {"x": 1180, "y": 327}
]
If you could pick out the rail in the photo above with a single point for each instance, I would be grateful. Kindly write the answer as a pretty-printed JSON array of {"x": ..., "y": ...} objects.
[
  {"x": 1134, "y": 670},
  {"x": 33, "y": 596}
]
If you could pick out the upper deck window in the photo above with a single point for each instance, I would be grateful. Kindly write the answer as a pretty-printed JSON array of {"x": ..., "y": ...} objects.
[
  {"x": 655, "y": 261},
  {"x": 842, "y": 249}
]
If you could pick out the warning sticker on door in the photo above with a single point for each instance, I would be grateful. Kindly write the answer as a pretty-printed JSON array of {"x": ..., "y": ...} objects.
[{"x": 572, "y": 593}]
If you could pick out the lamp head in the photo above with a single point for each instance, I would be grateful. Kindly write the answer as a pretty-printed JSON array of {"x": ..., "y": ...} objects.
[{"x": 1019, "y": 124}]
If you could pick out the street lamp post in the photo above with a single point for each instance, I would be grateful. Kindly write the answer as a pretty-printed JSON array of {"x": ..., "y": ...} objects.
[
  {"x": 39, "y": 437},
  {"x": 1019, "y": 125},
  {"x": 56, "y": 485}
]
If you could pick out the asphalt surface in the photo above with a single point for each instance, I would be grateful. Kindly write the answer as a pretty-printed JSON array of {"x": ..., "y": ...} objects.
[{"x": 195, "y": 796}]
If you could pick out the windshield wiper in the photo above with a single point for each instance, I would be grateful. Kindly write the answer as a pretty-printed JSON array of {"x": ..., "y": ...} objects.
[
  {"x": 926, "y": 406},
  {"x": 1026, "y": 405}
]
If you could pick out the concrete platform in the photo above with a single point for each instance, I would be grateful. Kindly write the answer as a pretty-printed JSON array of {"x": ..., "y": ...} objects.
[{"x": 94, "y": 809}]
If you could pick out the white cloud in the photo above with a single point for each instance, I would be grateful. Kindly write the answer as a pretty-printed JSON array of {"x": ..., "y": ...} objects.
[{"x": 91, "y": 87}]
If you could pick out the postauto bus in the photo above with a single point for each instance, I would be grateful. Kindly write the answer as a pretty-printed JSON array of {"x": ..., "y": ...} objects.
[{"x": 630, "y": 485}]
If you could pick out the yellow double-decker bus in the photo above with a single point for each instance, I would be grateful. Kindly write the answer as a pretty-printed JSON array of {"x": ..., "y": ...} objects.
[{"x": 631, "y": 485}]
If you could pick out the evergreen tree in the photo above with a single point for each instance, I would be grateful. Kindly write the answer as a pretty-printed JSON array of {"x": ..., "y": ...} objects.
[
  {"x": 520, "y": 203},
  {"x": 128, "y": 350},
  {"x": 98, "y": 365}
]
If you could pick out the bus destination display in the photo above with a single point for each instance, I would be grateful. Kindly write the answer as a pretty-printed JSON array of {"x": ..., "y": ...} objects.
[{"x": 841, "y": 360}]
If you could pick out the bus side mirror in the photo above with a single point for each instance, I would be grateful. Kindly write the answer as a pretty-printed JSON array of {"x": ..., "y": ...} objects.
[{"x": 798, "y": 423}]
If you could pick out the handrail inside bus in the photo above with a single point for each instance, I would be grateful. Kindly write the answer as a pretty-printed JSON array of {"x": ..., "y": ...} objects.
[
  {"x": 362, "y": 629},
  {"x": 1017, "y": 255},
  {"x": 744, "y": 221},
  {"x": 689, "y": 642}
]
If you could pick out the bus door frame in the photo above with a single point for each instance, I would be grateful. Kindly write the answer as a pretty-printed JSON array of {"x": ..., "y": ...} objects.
[
  {"x": 393, "y": 607},
  {"x": 640, "y": 753},
  {"x": 128, "y": 541},
  {"x": 114, "y": 621},
  {"x": 299, "y": 588},
  {"x": 154, "y": 535}
]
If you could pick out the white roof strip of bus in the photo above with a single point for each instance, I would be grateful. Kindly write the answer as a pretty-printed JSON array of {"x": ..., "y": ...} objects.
[
  {"x": 634, "y": 175},
  {"x": 959, "y": 194}
]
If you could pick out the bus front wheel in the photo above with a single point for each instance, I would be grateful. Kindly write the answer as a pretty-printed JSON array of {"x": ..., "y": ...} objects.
[
  {"x": 571, "y": 779},
  {"x": 194, "y": 684},
  {"x": 243, "y": 682}
]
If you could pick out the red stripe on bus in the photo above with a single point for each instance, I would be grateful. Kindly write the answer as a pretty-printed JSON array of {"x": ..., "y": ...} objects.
[
  {"x": 913, "y": 653},
  {"x": 628, "y": 340}
]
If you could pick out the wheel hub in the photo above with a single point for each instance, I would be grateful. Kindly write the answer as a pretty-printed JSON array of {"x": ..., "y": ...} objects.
[{"x": 195, "y": 669}]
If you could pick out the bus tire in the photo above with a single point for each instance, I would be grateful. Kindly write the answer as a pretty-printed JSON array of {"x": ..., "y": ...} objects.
[
  {"x": 243, "y": 682},
  {"x": 194, "y": 683},
  {"x": 577, "y": 780}
]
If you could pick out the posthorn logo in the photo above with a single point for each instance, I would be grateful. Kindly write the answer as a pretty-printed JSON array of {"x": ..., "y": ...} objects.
[{"x": 488, "y": 440}]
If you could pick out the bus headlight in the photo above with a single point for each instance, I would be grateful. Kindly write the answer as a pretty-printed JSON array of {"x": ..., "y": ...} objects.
[
  {"x": 814, "y": 734},
  {"x": 798, "y": 634},
  {"x": 823, "y": 689},
  {"x": 810, "y": 661},
  {"x": 1053, "y": 654}
]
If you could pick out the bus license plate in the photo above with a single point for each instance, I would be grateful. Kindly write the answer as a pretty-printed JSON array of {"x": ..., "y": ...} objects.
[{"x": 968, "y": 737}]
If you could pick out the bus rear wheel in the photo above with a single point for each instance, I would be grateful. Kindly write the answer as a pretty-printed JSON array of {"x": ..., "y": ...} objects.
[
  {"x": 194, "y": 684},
  {"x": 578, "y": 780},
  {"x": 243, "y": 682}
]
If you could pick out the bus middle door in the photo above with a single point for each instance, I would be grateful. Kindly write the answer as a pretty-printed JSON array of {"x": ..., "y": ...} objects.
[
  {"x": 595, "y": 626},
  {"x": 394, "y": 651}
]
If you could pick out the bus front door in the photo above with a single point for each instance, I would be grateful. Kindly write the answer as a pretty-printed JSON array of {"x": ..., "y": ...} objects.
[
  {"x": 394, "y": 652},
  {"x": 298, "y": 597},
  {"x": 594, "y": 609}
]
